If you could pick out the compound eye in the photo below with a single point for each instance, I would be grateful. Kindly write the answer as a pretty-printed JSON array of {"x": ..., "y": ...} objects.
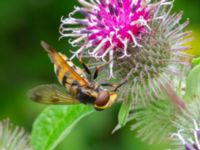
[{"x": 102, "y": 98}]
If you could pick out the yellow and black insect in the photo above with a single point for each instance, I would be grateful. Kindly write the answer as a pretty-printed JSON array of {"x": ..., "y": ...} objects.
[{"x": 80, "y": 88}]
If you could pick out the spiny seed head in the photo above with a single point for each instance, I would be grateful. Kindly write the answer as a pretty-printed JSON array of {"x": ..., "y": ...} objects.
[
  {"x": 158, "y": 119},
  {"x": 160, "y": 59},
  {"x": 13, "y": 138},
  {"x": 154, "y": 122},
  {"x": 108, "y": 26}
]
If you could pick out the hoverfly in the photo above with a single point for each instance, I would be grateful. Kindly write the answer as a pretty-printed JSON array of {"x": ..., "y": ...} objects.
[{"x": 79, "y": 87}]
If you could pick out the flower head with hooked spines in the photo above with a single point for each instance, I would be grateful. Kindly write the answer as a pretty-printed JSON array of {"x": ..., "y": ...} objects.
[{"x": 108, "y": 26}]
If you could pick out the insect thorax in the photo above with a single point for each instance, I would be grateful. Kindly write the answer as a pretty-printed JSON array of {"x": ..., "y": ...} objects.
[{"x": 85, "y": 98}]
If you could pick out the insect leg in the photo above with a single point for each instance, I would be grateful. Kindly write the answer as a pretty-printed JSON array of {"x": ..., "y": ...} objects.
[
  {"x": 119, "y": 85},
  {"x": 123, "y": 82},
  {"x": 96, "y": 73},
  {"x": 86, "y": 68},
  {"x": 108, "y": 84},
  {"x": 114, "y": 86},
  {"x": 98, "y": 68}
]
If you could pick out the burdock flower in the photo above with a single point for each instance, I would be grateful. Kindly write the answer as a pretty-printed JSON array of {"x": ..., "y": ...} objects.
[
  {"x": 108, "y": 26},
  {"x": 13, "y": 138},
  {"x": 141, "y": 41}
]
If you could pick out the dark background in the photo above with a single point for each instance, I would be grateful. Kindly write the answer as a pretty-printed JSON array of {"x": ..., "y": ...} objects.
[{"x": 23, "y": 64}]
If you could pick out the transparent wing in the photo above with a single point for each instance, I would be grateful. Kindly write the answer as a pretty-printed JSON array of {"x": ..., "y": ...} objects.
[{"x": 51, "y": 94}]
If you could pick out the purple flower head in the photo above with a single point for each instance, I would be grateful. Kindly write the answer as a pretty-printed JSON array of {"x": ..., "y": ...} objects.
[
  {"x": 108, "y": 26},
  {"x": 188, "y": 136},
  {"x": 188, "y": 144}
]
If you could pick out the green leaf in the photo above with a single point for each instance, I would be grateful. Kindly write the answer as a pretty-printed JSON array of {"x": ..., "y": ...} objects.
[
  {"x": 196, "y": 61},
  {"x": 193, "y": 83},
  {"x": 123, "y": 115},
  {"x": 55, "y": 123}
]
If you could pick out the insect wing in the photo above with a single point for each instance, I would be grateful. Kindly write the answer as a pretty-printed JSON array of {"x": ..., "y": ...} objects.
[
  {"x": 63, "y": 65},
  {"x": 51, "y": 94}
]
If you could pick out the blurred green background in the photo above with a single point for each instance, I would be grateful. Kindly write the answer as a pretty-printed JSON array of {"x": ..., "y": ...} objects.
[{"x": 23, "y": 64}]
